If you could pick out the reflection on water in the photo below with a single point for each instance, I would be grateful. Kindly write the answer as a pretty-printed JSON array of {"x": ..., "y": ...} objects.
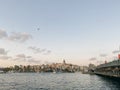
[
  {"x": 113, "y": 83},
  {"x": 58, "y": 81}
]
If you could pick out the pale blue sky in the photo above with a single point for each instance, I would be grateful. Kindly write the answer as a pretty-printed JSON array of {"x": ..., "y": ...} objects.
[{"x": 75, "y": 30}]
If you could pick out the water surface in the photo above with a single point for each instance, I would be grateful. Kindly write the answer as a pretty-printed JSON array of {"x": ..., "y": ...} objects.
[{"x": 58, "y": 81}]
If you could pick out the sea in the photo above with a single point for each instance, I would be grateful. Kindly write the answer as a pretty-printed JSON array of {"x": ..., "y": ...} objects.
[{"x": 56, "y": 81}]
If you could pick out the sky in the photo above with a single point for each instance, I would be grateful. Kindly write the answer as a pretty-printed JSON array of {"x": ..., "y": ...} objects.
[{"x": 47, "y": 31}]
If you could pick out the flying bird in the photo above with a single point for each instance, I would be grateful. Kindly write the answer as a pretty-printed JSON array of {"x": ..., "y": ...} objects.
[{"x": 38, "y": 29}]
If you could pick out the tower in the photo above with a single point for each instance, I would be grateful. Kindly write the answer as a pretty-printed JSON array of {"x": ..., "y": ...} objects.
[{"x": 64, "y": 61}]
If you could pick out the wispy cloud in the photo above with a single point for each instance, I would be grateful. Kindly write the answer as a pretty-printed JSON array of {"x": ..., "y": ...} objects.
[
  {"x": 35, "y": 49},
  {"x": 47, "y": 62},
  {"x": 3, "y": 34},
  {"x": 93, "y": 59},
  {"x": 15, "y": 36},
  {"x": 25, "y": 58},
  {"x": 3, "y": 51},
  {"x": 103, "y": 55},
  {"x": 19, "y": 37},
  {"x": 116, "y": 51},
  {"x": 28, "y": 56},
  {"x": 47, "y": 52},
  {"x": 20, "y": 57},
  {"x": 5, "y": 57},
  {"x": 100, "y": 62},
  {"x": 38, "y": 50},
  {"x": 3, "y": 54},
  {"x": 32, "y": 60}
]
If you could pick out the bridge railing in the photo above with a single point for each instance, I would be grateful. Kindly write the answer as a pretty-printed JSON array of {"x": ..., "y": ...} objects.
[{"x": 110, "y": 64}]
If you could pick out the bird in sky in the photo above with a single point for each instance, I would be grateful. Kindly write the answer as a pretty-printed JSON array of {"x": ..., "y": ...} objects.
[{"x": 38, "y": 29}]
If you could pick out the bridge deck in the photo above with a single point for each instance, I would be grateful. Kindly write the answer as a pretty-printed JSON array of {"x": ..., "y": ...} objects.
[{"x": 110, "y": 64}]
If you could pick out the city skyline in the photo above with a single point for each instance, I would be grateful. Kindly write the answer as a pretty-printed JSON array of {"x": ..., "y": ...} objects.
[{"x": 36, "y": 32}]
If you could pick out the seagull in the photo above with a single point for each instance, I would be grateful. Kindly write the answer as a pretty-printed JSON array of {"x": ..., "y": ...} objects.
[{"x": 38, "y": 29}]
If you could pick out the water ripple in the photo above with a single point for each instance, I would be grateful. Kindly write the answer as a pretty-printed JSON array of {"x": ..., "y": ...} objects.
[{"x": 50, "y": 81}]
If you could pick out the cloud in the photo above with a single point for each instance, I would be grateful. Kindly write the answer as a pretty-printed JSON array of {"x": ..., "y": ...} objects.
[
  {"x": 23, "y": 57},
  {"x": 38, "y": 50},
  {"x": 33, "y": 61},
  {"x": 47, "y": 62},
  {"x": 15, "y": 36},
  {"x": 29, "y": 59},
  {"x": 3, "y": 54},
  {"x": 93, "y": 59},
  {"x": 43, "y": 50},
  {"x": 19, "y": 37},
  {"x": 3, "y": 34},
  {"x": 28, "y": 56},
  {"x": 5, "y": 57},
  {"x": 20, "y": 57},
  {"x": 47, "y": 52},
  {"x": 35, "y": 49},
  {"x": 103, "y": 55},
  {"x": 116, "y": 51},
  {"x": 2, "y": 51},
  {"x": 100, "y": 62}
]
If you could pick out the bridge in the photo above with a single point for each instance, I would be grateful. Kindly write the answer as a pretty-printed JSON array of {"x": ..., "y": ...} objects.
[{"x": 111, "y": 69}]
